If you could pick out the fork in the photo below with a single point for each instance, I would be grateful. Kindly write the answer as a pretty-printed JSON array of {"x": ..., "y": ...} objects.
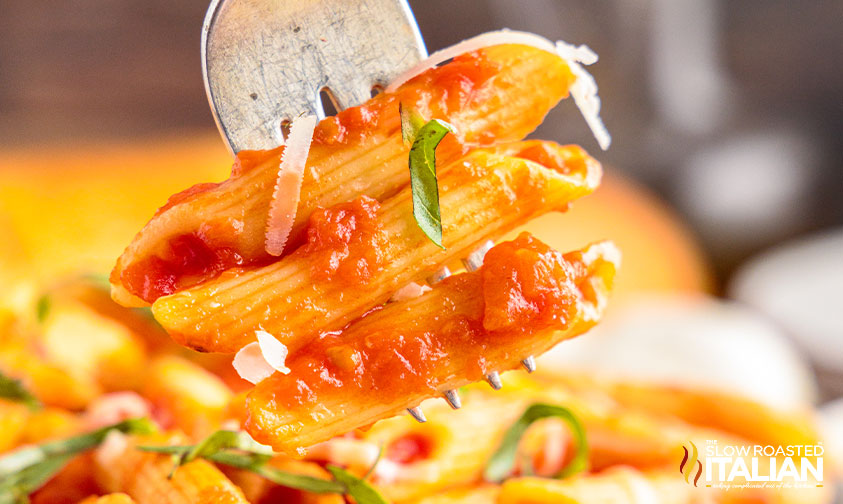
[{"x": 266, "y": 62}]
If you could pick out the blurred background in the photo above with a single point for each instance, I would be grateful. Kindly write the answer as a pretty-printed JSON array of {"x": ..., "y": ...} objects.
[{"x": 723, "y": 184}]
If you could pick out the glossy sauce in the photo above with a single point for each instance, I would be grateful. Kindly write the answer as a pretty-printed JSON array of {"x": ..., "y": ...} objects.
[
  {"x": 188, "y": 256},
  {"x": 567, "y": 160},
  {"x": 523, "y": 287},
  {"x": 197, "y": 257},
  {"x": 345, "y": 242},
  {"x": 436, "y": 94}
]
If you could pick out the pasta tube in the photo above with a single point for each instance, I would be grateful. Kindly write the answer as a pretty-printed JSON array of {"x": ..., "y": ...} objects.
[
  {"x": 525, "y": 299},
  {"x": 359, "y": 253},
  {"x": 146, "y": 477},
  {"x": 500, "y": 93},
  {"x": 186, "y": 396}
]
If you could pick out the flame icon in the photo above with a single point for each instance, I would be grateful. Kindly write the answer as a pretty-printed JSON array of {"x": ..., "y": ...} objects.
[{"x": 690, "y": 459}]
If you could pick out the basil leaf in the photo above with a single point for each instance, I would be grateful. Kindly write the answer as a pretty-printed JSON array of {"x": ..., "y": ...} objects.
[
  {"x": 16, "y": 488},
  {"x": 362, "y": 492},
  {"x": 14, "y": 390},
  {"x": 411, "y": 123},
  {"x": 375, "y": 463},
  {"x": 238, "y": 449},
  {"x": 423, "y": 178},
  {"x": 502, "y": 461},
  {"x": 26, "y": 470},
  {"x": 42, "y": 308},
  {"x": 225, "y": 439},
  {"x": 257, "y": 464}
]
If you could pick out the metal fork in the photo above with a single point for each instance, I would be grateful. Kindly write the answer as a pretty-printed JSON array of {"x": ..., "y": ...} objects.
[{"x": 266, "y": 62}]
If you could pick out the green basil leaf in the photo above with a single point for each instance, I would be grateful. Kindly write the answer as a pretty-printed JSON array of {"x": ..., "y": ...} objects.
[
  {"x": 256, "y": 463},
  {"x": 42, "y": 308},
  {"x": 225, "y": 439},
  {"x": 16, "y": 488},
  {"x": 375, "y": 463},
  {"x": 238, "y": 449},
  {"x": 14, "y": 390},
  {"x": 411, "y": 123},
  {"x": 26, "y": 470},
  {"x": 501, "y": 464},
  {"x": 362, "y": 492},
  {"x": 423, "y": 178}
]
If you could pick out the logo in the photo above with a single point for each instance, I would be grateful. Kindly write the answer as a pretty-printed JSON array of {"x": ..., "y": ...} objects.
[
  {"x": 752, "y": 466},
  {"x": 690, "y": 464}
]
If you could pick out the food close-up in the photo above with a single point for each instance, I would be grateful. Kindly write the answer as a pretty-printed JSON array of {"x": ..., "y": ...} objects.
[{"x": 377, "y": 252}]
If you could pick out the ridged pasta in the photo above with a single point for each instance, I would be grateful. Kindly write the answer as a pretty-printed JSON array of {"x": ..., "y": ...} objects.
[
  {"x": 359, "y": 151},
  {"x": 414, "y": 349},
  {"x": 482, "y": 196}
]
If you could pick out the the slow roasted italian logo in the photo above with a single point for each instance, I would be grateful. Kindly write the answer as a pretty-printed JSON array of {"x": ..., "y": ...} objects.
[{"x": 691, "y": 465}]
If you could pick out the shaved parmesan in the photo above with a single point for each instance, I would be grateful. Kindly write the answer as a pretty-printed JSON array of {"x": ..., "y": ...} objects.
[
  {"x": 584, "y": 89},
  {"x": 285, "y": 197},
  {"x": 273, "y": 351},
  {"x": 258, "y": 360},
  {"x": 410, "y": 291}
]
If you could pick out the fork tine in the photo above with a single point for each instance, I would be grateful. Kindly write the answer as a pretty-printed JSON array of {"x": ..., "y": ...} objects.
[
  {"x": 529, "y": 364},
  {"x": 417, "y": 414},
  {"x": 453, "y": 398},
  {"x": 440, "y": 275},
  {"x": 494, "y": 379},
  {"x": 475, "y": 259},
  {"x": 267, "y": 60}
]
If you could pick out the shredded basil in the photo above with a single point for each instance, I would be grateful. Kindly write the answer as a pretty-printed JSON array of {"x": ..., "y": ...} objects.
[
  {"x": 237, "y": 449},
  {"x": 501, "y": 464},
  {"x": 42, "y": 308},
  {"x": 422, "y": 161},
  {"x": 362, "y": 492},
  {"x": 14, "y": 390},
  {"x": 411, "y": 123},
  {"x": 26, "y": 470}
]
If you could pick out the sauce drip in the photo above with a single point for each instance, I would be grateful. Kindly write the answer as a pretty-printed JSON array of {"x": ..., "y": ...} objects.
[{"x": 188, "y": 256}]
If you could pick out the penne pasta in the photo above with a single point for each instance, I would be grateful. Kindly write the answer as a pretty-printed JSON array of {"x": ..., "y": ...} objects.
[
  {"x": 718, "y": 410},
  {"x": 186, "y": 396},
  {"x": 146, "y": 476},
  {"x": 359, "y": 253},
  {"x": 108, "y": 354},
  {"x": 486, "y": 95},
  {"x": 468, "y": 326},
  {"x": 51, "y": 384},
  {"x": 448, "y": 451}
]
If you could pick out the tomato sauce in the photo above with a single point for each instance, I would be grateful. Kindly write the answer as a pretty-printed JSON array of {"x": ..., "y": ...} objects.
[
  {"x": 523, "y": 287},
  {"x": 436, "y": 94},
  {"x": 413, "y": 447},
  {"x": 345, "y": 242},
  {"x": 527, "y": 286},
  {"x": 188, "y": 256},
  {"x": 439, "y": 93}
]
